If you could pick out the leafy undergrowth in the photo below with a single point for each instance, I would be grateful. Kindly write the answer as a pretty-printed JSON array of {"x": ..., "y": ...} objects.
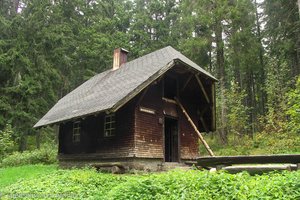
[
  {"x": 46, "y": 155},
  {"x": 193, "y": 184},
  {"x": 10, "y": 175},
  {"x": 261, "y": 144}
]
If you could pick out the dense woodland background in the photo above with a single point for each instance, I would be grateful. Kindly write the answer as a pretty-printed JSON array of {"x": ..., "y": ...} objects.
[{"x": 48, "y": 47}]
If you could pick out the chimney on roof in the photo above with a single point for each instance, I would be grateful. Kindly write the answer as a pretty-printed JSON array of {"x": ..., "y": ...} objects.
[{"x": 120, "y": 57}]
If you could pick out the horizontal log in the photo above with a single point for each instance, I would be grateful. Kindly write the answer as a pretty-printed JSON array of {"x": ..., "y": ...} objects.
[
  {"x": 251, "y": 159},
  {"x": 259, "y": 169}
]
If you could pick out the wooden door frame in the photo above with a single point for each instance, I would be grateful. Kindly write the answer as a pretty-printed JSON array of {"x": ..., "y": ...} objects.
[{"x": 178, "y": 135}]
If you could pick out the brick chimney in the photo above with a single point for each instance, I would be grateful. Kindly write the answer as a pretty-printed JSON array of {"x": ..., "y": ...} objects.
[{"x": 120, "y": 57}]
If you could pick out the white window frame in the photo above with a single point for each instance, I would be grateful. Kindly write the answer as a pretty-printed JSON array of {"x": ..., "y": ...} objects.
[
  {"x": 76, "y": 132},
  {"x": 110, "y": 125}
]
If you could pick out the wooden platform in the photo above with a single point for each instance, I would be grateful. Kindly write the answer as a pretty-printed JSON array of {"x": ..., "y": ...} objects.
[{"x": 215, "y": 161}]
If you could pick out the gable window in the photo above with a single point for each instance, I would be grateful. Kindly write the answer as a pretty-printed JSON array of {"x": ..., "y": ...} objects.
[
  {"x": 76, "y": 132},
  {"x": 109, "y": 125}
]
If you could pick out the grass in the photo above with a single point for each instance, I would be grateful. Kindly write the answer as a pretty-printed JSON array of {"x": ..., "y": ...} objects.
[
  {"x": 260, "y": 144},
  {"x": 11, "y": 175},
  {"x": 52, "y": 183}
]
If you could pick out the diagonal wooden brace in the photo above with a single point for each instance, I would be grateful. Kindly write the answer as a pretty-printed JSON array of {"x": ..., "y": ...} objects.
[{"x": 195, "y": 128}]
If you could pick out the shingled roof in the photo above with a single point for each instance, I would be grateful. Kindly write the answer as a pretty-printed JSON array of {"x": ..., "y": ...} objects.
[{"x": 109, "y": 90}]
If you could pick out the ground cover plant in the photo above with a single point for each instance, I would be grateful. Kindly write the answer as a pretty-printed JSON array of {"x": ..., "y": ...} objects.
[
  {"x": 177, "y": 184},
  {"x": 11, "y": 175}
]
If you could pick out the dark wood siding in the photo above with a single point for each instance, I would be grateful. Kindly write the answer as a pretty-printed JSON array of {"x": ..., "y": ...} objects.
[
  {"x": 122, "y": 144},
  {"x": 149, "y": 127},
  {"x": 92, "y": 135},
  {"x": 188, "y": 137}
]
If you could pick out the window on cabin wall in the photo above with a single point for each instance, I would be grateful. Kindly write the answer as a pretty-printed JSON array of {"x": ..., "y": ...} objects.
[
  {"x": 76, "y": 132},
  {"x": 109, "y": 125}
]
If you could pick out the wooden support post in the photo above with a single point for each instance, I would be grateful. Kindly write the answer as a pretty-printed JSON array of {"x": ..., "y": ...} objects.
[
  {"x": 213, "y": 106},
  {"x": 187, "y": 82},
  {"x": 202, "y": 88},
  {"x": 195, "y": 128}
]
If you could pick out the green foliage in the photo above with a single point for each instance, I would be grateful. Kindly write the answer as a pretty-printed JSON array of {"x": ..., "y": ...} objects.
[
  {"x": 261, "y": 143},
  {"x": 10, "y": 175},
  {"x": 237, "y": 114},
  {"x": 7, "y": 143},
  {"x": 47, "y": 48},
  {"x": 294, "y": 109},
  {"x": 177, "y": 184},
  {"x": 45, "y": 155}
]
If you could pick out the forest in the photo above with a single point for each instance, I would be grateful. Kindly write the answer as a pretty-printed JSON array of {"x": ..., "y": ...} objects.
[{"x": 49, "y": 47}]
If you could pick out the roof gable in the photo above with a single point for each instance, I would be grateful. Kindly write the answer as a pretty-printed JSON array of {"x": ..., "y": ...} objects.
[{"x": 109, "y": 90}]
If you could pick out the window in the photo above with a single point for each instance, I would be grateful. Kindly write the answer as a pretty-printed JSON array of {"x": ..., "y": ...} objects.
[
  {"x": 76, "y": 132},
  {"x": 109, "y": 125}
]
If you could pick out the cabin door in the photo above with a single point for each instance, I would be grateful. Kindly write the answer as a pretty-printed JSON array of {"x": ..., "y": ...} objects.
[{"x": 171, "y": 140}]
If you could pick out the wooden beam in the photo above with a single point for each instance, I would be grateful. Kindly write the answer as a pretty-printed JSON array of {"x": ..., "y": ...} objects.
[
  {"x": 213, "y": 104},
  {"x": 202, "y": 88},
  {"x": 187, "y": 82},
  {"x": 142, "y": 96},
  {"x": 251, "y": 159},
  {"x": 169, "y": 100},
  {"x": 195, "y": 128},
  {"x": 258, "y": 169}
]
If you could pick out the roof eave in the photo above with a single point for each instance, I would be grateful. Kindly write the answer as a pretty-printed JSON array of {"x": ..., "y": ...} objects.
[
  {"x": 189, "y": 66},
  {"x": 69, "y": 119}
]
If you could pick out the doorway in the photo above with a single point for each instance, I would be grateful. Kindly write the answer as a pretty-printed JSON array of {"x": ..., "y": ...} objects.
[{"x": 171, "y": 140}]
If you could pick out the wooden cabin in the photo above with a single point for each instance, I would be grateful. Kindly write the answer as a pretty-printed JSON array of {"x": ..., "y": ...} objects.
[{"x": 129, "y": 113}]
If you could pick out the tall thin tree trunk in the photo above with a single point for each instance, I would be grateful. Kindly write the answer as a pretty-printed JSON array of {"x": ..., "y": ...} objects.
[
  {"x": 38, "y": 139},
  {"x": 261, "y": 76},
  {"x": 221, "y": 76},
  {"x": 23, "y": 142}
]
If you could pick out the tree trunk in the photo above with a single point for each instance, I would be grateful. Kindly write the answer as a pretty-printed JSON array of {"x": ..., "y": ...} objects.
[
  {"x": 38, "y": 139},
  {"x": 261, "y": 75},
  {"x": 221, "y": 76},
  {"x": 23, "y": 142}
]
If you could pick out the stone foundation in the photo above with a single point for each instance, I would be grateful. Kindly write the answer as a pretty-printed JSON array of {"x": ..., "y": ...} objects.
[{"x": 117, "y": 165}]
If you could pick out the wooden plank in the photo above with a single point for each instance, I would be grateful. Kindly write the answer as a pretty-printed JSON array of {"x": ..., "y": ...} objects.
[
  {"x": 254, "y": 159},
  {"x": 202, "y": 88},
  {"x": 142, "y": 96},
  {"x": 195, "y": 128},
  {"x": 169, "y": 100},
  {"x": 213, "y": 105},
  {"x": 258, "y": 169},
  {"x": 187, "y": 82}
]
